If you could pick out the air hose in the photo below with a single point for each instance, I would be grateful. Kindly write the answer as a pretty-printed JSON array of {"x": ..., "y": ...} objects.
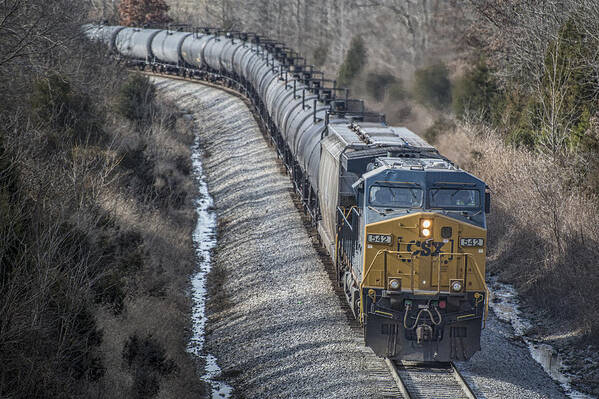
[{"x": 405, "y": 317}]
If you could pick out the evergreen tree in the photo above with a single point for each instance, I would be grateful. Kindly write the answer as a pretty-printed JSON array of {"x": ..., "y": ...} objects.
[
  {"x": 476, "y": 92},
  {"x": 354, "y": 62},
  {"x": 432, "y": 86},
  {"x": 570, "y": 81}
]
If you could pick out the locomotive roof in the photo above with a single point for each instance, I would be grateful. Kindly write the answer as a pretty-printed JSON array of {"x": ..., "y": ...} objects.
[
  {"x": 367, "y": 141},
  {"x": 370, "y": 134},
  {"x": 415, "y": 163}
]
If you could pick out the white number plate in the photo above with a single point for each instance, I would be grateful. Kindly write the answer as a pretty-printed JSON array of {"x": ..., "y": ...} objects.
[
  {"x": 472, "y": 242},
  {"x": 380, "y": 239}
]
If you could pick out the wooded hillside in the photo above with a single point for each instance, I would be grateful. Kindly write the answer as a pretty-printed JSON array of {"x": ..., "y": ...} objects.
[{"x": 96, "y": 218}]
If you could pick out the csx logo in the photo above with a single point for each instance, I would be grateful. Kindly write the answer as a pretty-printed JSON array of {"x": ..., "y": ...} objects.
[{"x": 425, "y": 248}]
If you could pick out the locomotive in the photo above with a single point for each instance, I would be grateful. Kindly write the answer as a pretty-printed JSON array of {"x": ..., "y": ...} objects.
[{"x": 404, "y": 227}]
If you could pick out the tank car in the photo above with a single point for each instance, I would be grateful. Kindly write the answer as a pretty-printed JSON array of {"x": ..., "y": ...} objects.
[{"x": 404, "y": 227}]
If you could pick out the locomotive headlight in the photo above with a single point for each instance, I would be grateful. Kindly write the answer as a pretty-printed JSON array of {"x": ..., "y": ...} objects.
[
  {"x": 426, "y": 227},
  {"x": 456, "y": 286},
  {"x": 394, "y": 284}
]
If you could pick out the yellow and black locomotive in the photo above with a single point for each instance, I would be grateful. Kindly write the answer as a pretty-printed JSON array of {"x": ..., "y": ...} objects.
[{"x": 409, "y": 235}]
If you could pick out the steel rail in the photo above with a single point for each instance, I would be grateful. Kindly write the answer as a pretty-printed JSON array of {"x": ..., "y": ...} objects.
[
  {"x": 400, "y": 385},
  {"x": 467, "y": 390},
  {"x": 411, "y": 388}
]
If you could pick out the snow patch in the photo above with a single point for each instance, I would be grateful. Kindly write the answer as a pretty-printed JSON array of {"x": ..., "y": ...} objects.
[
  {"x": 505, "y": 305},
  {"x": 204, "y": 238}
]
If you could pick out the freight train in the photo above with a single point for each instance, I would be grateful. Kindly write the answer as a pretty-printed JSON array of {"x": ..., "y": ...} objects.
[{"x": 404, "y": 227}]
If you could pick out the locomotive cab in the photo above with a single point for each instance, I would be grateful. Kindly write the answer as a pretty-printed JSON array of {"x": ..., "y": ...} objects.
[{"x": 418, "y": 286}]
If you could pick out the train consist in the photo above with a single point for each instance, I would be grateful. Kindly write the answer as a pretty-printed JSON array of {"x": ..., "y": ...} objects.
[{"x": 405, "y": 228}]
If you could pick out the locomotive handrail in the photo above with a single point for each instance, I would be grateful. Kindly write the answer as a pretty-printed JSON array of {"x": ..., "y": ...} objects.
[
  {"x": 412, "y": 256},
  {"x": 479, "y": 275},
  {"x": 370, "y": 268},
  {"x": 352, "y": 209},
  {"x": 341, "y": 211}
]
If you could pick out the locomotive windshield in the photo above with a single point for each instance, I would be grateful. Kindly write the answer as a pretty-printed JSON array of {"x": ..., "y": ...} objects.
[
  {"x": 395, "y": 197},
  {"x": 454, "y": 198}
]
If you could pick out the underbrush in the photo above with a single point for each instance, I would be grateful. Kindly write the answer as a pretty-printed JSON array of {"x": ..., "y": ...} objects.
[
  {"x": 152, "y": 259},
  {"x": 543, "y": 228}
]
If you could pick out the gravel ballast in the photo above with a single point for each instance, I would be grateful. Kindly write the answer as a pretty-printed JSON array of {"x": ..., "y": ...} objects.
[
  {"x": 279, "y": 330},
  {"x": 275, "y": 323},
  {"x": 504, "y": 367}
]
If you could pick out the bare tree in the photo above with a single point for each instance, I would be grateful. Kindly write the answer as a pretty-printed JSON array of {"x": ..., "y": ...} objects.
[
  {"x": 555, "y": 116},
  {"x": 142, "y": 12},
  {"x": 35, "y": 29},
  {"x": 104, "y": 10}
]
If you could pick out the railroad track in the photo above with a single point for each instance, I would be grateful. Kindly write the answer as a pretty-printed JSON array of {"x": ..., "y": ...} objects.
[{"x": 417, "y": 381}]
